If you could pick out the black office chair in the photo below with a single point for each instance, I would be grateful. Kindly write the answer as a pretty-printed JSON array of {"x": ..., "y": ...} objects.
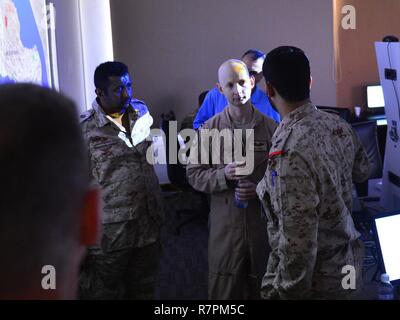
[
  {"x": 177, "y": 176},
  {"x": 367, "y": 132}
]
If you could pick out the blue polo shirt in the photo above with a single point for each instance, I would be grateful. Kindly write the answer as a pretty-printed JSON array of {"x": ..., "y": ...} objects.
[{"x": 215, "y": 102}]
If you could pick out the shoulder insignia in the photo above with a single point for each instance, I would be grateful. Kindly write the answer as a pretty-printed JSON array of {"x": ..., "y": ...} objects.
[{"x": 86, "y": 115}]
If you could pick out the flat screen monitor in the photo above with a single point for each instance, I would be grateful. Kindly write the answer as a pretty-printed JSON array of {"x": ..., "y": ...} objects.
[
  {"x": 381, "y": 122},
  {"x": 386, "y": 228},
  {"x": 375, "y": 98}
]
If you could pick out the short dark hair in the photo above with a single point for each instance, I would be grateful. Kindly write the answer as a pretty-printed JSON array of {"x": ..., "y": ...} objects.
[
  {"x": 288, "y": 70},
  {"x": 108, "y": 69},
  {"x": 44, "y": 176},
  {"x": 254, "y": 54}
]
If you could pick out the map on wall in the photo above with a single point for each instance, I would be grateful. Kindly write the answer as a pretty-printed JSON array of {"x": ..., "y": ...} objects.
[{"x": 24, "y": 50}]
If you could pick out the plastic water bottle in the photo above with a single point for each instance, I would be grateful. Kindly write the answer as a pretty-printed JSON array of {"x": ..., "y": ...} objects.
[
  {"x": 241, "y": 204},
  {"x": 386, "y": 290}
]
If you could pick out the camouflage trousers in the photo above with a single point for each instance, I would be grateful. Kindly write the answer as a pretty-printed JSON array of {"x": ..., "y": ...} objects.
[{"x": 125, "y": 274}]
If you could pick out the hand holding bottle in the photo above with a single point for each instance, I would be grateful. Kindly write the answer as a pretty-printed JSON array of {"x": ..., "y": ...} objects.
[
  {"x": 245, "y": 191},
  {"x": 233, "y": 171}
]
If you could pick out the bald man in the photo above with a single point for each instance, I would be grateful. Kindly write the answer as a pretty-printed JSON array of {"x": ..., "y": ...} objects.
[
  {"x": 237, "y": 248},
  {"x": 215, "y": 102}
]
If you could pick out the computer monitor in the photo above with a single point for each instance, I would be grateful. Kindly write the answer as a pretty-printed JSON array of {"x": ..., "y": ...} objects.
[
  {"x": 381, "y": 122},
  {"x": 375, "y": 98},
  {"x": 386, "y": 228}
]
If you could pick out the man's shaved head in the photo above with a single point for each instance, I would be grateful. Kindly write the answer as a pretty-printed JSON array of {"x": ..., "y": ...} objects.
[
  {"x": 235, "y": 82},
  {"x": 232, "y": 66}
]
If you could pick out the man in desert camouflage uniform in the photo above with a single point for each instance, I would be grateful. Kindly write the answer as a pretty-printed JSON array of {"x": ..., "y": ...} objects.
[
  {"x": 237, "y": 245},
  {"x": 124, "y": 264},
  {"x": 306, "y": 190}
]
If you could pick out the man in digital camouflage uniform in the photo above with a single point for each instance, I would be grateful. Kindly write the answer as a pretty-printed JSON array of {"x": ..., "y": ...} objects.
[
  {"x": 306, "y": 190},
  {"x": 124, "y": 264},
  {"x": 237, "y": 245}
]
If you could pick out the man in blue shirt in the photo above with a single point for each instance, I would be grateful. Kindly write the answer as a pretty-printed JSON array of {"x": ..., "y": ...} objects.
[{"x": 215, "y": 101}]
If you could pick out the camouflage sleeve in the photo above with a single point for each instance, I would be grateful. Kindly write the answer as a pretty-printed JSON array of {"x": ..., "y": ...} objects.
[
  {"x": 289, "y": 273},
  {"x": 362, "y": 165},
  {"x": 92, "y": 179},
  {"x": 204, "y": 177}
]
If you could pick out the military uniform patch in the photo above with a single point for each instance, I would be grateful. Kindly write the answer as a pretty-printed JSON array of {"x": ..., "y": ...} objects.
[{"x": 86, "y": 115}]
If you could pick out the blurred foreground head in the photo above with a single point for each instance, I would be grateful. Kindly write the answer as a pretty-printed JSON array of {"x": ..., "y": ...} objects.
[{"x": 48, "y": 214}]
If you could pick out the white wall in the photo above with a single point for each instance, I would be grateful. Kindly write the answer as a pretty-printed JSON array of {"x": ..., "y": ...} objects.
[
  {"x": 84, "y": 40},
  {"x": 174, "y": 47},
  {"x": 69, "y": 51},
  {"x": 96, "y": 40}
]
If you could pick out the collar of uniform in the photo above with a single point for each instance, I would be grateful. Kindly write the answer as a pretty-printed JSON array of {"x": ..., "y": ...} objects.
[
  {"x": 99, "y": 114},
  {"x": 297, "y": 114},
  {"x": 257, "y": 116}
]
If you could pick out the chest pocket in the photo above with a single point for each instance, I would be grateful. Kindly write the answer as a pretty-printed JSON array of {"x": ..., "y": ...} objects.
[
  {"x": 259, "y": 146},
  {"x": 104, "y": 150},
  {"x": 259, "y": 150}
]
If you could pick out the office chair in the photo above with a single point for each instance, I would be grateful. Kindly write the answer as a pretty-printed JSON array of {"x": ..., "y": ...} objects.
[
  {"x": 367, "y": 132},
  {"x": 177, "y": 176}
]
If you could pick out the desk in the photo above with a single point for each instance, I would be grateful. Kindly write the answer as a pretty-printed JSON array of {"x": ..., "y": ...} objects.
[
  {"x": 370, "y": 117},
  {"x": 379, "y": 118}
]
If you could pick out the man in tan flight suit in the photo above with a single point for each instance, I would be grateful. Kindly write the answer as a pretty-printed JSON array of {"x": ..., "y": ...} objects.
[
  {"x": 306, "y": 190},
  {"x": 237, "y": 248}
]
